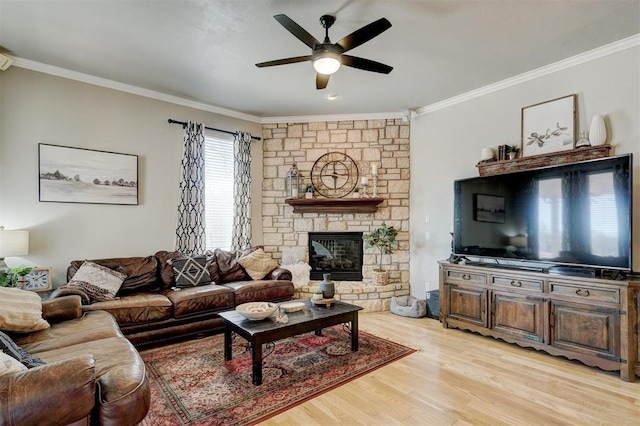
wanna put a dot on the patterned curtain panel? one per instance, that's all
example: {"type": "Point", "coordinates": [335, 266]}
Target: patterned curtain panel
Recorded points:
{"type": "Point", "coordinates": [190, 230]}
{"type": "Point", "coordinates": [242, 192]}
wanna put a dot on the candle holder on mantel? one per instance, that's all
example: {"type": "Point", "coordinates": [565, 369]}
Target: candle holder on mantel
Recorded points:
{"type": "Point", "coordinates": [375, 186]}
{"type": "Point", "coordinates": [364, 189]}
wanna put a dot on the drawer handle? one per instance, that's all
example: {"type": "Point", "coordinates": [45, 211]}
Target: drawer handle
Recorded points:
{"type": "Point", "coordinates": [466, 277]}
{"type": "Point", "coordinates": [516, 283]}
{"type": "Point", "coordinates": [581, 292]}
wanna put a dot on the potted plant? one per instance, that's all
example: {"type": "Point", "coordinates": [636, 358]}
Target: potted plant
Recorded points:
{"type": "Point", "coordinates": [512, 152]}
{"type": "Point", "coordinates": [384, 239]}
{"type": "Point", "coordinates": [356, 192]}
{"type": "Point", "coordinates": [308, 191]}
{"type": "Point", "coordinates": [14, 276]}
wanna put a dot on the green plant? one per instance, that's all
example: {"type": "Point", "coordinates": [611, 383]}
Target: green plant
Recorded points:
{"type": "Point", "coordinates": [356, 189]}
{"type": "Point", "coordinates": [10, 279]}
{"type": "Point", "coordinates": [384, 239]}
{"type": "Point", "coordinates": [513, 148]}
{"type": "Point", "coordinates": [308, 188]}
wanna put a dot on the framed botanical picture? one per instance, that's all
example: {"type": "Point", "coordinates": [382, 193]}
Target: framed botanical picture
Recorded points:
{"type": "Point", "coordinates": [77, 175]}
{"type": "Point", "coordinates": [549, 126]}
{"type": "Point", "coordinates": [39, 279]}
{"type": "Point", "coordinates": [488, 208]}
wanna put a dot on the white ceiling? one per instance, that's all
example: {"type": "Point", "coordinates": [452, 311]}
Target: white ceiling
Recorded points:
{"type": "Point", "coordinates": [205, 50]}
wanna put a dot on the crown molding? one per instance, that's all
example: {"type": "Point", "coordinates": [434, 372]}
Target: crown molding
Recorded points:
{"type": "Point", "coordinates": [579, 59]}
{"type": "Point", "coordinates": [333, 117]}
{"type": "Point", "coordinates": [128, 88]}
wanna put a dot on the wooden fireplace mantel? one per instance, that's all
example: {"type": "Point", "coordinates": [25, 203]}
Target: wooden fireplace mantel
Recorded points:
{"type": "Point", "coordinates": [334, 205]}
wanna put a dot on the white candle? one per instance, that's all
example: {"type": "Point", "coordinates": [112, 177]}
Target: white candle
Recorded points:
{"type": "Point", "coordinates": [364, 181]}
{"type": "Point", "coordinates": [374, 169]}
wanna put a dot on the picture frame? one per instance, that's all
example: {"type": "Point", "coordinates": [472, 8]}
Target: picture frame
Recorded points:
{"type": "Point", "coordinates": [488, 208]}
{"type": "Point", "coordinates": [39, 279]}
{"type": "Point", "coordinates": [79, 175]}
{"type": "Point", "coordinates": [548, 126]}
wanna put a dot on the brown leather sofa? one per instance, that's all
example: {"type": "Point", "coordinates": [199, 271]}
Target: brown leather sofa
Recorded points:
{"type": "Point", "coordinates": [149, 310]}
{"type": "Point", "coordinates": [92, 375]}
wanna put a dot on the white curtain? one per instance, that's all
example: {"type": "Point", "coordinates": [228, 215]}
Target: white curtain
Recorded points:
{"type": "Point", "coordinates": [241, 238]}
{"type": "Point", "coordinates": [190, 229]}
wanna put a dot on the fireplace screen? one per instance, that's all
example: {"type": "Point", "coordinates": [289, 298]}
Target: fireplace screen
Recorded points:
{"type": "Point", "coordinates": [337, 253]}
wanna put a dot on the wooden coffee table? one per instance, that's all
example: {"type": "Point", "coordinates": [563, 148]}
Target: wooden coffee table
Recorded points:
{"type": "Point", "coordinates": [311, 318]}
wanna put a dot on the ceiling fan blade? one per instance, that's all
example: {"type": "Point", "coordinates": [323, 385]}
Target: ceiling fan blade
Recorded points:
{"type": "Point", "coordinates": [322, 80]}
{"type": "Point", "coordinates": [365, 64]}
{"type": "Point", "coordinates": [284, 61]}
{"type": "Point", "coordinates": [364, 34]}
{"type": "Point", "coordinates": [295, 29]}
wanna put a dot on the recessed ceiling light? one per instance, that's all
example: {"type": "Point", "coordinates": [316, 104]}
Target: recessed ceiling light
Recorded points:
{"type": "Point", "coordinates": [331, 96]}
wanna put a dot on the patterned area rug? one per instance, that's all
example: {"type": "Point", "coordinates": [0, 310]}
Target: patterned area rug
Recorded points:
{"type": "Point", "coordinates": [191, 384]}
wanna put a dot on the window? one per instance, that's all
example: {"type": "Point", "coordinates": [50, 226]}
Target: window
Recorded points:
{"type": "Point", "coordinates": [219, 161]}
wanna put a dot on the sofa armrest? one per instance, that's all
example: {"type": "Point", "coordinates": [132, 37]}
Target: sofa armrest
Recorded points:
{"type": "Point", "coordinates": [280, 274]}
{"type": "Point", "coordinates": [65, 291]}
{"type": "Point", "coordinates": [62, 308]}
{"type": "Point", "coordinates": [61, 392]}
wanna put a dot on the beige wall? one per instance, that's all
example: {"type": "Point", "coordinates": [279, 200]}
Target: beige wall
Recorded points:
{"type": "Point", "coordinates": [446, 145]}
{"type": "Point", "coordinates": [38, 108]}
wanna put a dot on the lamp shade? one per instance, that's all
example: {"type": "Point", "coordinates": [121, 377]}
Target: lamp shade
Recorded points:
{"type": "Point", "coordinates": [326, 62]}
{"type": "Point", "coordinates": [14, 243]}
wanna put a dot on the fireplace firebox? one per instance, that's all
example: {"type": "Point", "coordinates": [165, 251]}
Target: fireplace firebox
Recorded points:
{"type": "Point", "coordinates": [337, 253]}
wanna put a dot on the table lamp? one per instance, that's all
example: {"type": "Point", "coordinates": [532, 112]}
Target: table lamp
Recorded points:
{"type": "Point", "coordinates": [12, 243]}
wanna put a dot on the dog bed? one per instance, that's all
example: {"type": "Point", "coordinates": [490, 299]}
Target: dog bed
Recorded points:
{"type": "Point", "coordinates": [408, 306]}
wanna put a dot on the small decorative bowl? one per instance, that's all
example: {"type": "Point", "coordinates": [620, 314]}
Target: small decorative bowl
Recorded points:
{"type": "Point", "coordinates": [256, 310]}
{"type": "Point", "coordinates": [292, 306]}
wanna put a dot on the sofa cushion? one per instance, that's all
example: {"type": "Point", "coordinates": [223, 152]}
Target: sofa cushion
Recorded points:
{"type": "Point", "coordinates": [229, 268]}
{"type": "Point", "coordinates": [141, 272]}
{"type": "Point", "coordinates": [20, 311]}
{"type": "Point", "coordinates": [10, 348]}
{"type": "Point", "coordinates": [193, 300]}
{"type": "Point", "coordinates": [136, 308]}
{"type": "Point", "coordinates": [261, 290]}
{"type": "Point", "coordinates": [99, 282]}
{"type": "Point", "coordinates": [10, 365]}
{"type": "Point", "coordinates": [91, 326]}
{"type": "Point", "coordinates": [258, 264]}
{"type": "Point", "coordinates": [191, 271]}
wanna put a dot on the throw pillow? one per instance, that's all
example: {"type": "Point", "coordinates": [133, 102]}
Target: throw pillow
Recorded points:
{"type": "Point", "coordinates": [99, 282]}
{"type": "Point", "coordinates": [9, 365]}
{"type": "Point", "coordinates": [258, 264]}
{"type": "Point", "coordinates": [191, 271]}
{"type": "Point", "coordinates": [229, 268]}
{"type": "Point", "coordinates": [9, 347]}
{"type": "Point", "coordinates": [20, 310]}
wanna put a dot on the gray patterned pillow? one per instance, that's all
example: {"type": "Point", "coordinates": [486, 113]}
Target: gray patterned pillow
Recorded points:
{"type": "Point", "coordinates": [9, 347]}
{"type": "Point", "coordinates": [191, 271]}
{"type": "Point", "coordinates": [99, 282]}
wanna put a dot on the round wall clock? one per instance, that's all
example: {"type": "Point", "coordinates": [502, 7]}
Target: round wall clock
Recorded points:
{"type": "Point", "coordinates": [334, 175]}
{"type": "Point", "coordinates": [39, 279]}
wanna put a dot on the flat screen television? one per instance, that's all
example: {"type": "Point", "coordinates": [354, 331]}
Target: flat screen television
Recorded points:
{"type": "Point", "coordinates": [576, 214]}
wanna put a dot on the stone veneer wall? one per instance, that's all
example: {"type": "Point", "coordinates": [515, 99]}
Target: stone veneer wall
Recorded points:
{"type": "Point", "coordinates": [384, 142]}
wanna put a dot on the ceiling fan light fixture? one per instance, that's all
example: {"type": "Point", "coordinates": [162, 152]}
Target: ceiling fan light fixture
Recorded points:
{"type": "Point", "coordinates": [326, 62]}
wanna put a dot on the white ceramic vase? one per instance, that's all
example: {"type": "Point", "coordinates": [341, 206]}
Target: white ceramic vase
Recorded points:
{"type": "Point", "coordinates": [597, 131]}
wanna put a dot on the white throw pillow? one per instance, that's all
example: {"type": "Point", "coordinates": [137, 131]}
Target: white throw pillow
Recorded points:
{"type": "Point", "coordinates": [10, 365]}
{"type": "Point", "coordinates": [99, 282]}
{"type": "Point", "coordinates": [258, 264]}
{"type": "Point", "coordinates": [20, 310]}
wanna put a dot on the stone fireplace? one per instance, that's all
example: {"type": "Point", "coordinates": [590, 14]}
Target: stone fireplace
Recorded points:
{"type": "Point", "coordinates": [336, 253]}
{"type": "Point", "coordinates": [384, 143]}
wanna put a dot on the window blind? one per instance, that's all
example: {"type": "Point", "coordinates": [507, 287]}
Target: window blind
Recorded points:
{"type": "Point", "coordinates": [219, 162]}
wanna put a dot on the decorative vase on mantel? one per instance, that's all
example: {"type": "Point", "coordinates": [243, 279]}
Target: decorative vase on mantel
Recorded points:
{"type": "Point", "coordinates": [327, 287]}
{"type": "Point", "coordinates": [597, 131]}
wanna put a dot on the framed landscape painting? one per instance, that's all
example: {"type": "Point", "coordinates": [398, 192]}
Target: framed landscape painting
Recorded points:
{"type": "Point", "coordinates": [77, 175]}
{"type": "Point", "coordinates": [549, 126]}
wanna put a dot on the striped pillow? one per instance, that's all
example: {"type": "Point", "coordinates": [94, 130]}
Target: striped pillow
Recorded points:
{"type": "Point", "coordinates": [20, 311]}
{"type": "Point", "coordinates": [98, 282]}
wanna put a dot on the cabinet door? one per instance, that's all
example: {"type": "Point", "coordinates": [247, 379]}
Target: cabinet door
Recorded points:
{"type": "Point", "coordinates": [586, 329]}
{"type": "Point", "coordinates": [468, 304]}
{"type": "Point", "coordinates": [519, 315]}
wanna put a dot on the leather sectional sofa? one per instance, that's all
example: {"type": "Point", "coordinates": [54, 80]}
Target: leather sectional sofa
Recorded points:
{"type": "Point", "coordinates": [149, 308]}
{"type": "Point", "coordinates": [92, 375]}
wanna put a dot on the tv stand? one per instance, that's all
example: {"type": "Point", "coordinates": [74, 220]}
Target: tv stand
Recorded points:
{"type": "Point", "coordinates": [592, 320]}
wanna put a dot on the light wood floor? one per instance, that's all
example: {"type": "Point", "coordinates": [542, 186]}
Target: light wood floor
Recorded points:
{"type": "Point", "coordinates": [461, 378]}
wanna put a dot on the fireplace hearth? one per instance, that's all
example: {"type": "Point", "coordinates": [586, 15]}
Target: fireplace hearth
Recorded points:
{"type": "Point", "coordinates": [337, 253]}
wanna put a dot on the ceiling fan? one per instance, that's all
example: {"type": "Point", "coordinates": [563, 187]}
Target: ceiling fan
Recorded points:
{"type": "Point", "coordinates": [326, 56]}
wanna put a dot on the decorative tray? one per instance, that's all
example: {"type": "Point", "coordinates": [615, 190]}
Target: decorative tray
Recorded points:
{"type": "Point", "coordinates": [327, 302]}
